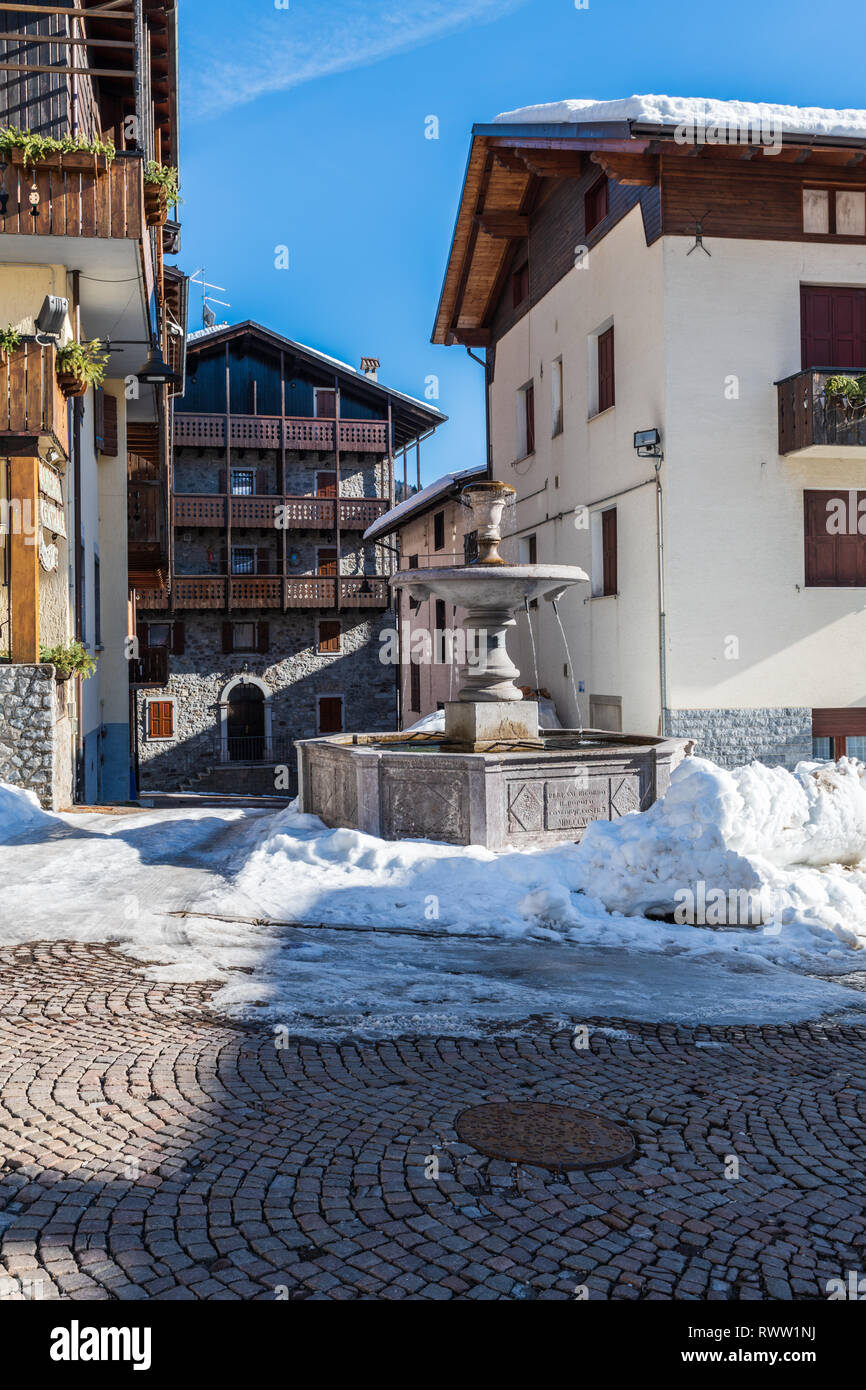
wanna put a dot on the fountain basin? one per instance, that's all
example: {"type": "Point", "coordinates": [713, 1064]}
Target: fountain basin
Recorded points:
{"type": "Point", "coordinates": [410, 786]}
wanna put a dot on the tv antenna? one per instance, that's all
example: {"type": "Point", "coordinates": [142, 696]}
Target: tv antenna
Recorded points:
{"type": "Point", "coordinates": [699, 234]}
{"type": "Point", "coordinates": [208, 317]}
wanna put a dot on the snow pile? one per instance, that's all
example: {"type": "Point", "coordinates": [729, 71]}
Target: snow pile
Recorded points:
{"type": "Point", "coordinates": [704, 111]}
{"type": "Point", "coordinates": [20, 811]}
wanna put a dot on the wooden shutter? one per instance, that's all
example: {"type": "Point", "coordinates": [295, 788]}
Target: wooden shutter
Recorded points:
{"type": "Point", "coordinates": [414, 686]}
{"type": "Point", "coordinates": [329, 635]}
{"type": "Point", "coordinates": [330, 714]}
{"type": "Point", "coordinates": [262, 482]}
{"type": "Point", "coordinates": [606, 391]}
{"type": "Point", "coordinates": [831, 560]}
{"type": "Point", "coordinates": [529, 408]}
{"type": "Point", "coordinates": [263, 636]}
{"type": "Point", "coordinates": [160, 719]}
{"type": "Point", "coordinates": [608, 550]}
{"type": "Point", "coordinates": [833, 327]}
{"type": "Point", "coordinates": [109, 425]}
{"type": "Point", "coordinates": [222, 479]}
{"type": "Point", "coordinates": [439, 531]}
{"type": "Point", "coordinates": [326, 561]}
{"type": "Point", "coordinates": [228, 637]}
{"type": "Point", "coordinates": [143, 634]}
{"type": "Point", "coordinates": [326, 405]}
{"type": "Point", "coordinates": [595, 205]}
{"type": "Point", "coordinates": [326, 483]}
{"type": "Point", "coordinates": [98, 418]}
{"type": "Point", "coordinates": [177, 639]}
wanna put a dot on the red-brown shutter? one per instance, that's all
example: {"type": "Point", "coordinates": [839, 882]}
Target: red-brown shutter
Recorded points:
{"type": "Point", "coordinates": [109, 425]}
{"type": "Point", "coordinates": [263, 636]}
{"type": "Point", "coordinates": [228, 637]}
{"type": "Point", "coordinates": [160, 719]}
{"type": "Point", "coordinates": [221, 480]}
{"type": "Point", "coordinates": [330, 714]}
{"type": "Point", "coordinates": [177, 639]}
{"type": "Point", "coordinates": [606, 390]}
{"type": "Point", "coordinates": [831, 560]}
{"type": "Point", "coordinates": [262, 483]}
{"type": "Point", "coordinates": [326, 562]}
{"type": "Point", "coordinates": [326, 405]}
{"type": "Point", "coordinates": [833, 327]}
{"type": "Point", "coordinates": [329, 635]}
{"type": "Point", "coordinates": [326, 483]}
{"type": "Point", "coordinates": [608, 550]}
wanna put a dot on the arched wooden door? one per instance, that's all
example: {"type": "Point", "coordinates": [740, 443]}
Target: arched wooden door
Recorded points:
{"type": "Point", "coordinates": [246, 724]}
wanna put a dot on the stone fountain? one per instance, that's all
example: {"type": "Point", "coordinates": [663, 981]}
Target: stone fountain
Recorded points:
{"type": "Point", "coordinates": [493, 777]}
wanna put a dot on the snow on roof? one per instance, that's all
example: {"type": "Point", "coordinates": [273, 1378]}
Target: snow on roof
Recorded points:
{"type": "Point", "coordinates": [674, 111]}
{"type": "Point", "coordinates": [418, 502]}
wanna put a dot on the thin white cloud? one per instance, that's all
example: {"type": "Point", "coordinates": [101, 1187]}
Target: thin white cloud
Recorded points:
{"type": "Point", "coordinates": [314, 39]}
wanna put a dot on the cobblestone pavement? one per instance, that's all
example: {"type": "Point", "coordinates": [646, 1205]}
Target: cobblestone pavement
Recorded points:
{"type": "Point", "coordinates": [149, 1150]}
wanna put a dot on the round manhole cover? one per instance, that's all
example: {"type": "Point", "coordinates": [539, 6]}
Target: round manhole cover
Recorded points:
{"type": "Point", "coordinates": [548, 1136]}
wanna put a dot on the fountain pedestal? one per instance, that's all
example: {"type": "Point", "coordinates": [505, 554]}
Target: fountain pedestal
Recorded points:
{"type": "Point", "coordinates": [476, 726]}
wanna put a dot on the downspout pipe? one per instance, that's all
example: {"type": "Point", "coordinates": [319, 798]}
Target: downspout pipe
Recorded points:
{"type": "Point", "coordinates": [485, 363]}
{"type": "Point", "coordinates": [663, 639]}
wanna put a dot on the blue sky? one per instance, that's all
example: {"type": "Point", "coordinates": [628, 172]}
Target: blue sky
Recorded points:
{"type": "Point", "coordinates": [304, 127]}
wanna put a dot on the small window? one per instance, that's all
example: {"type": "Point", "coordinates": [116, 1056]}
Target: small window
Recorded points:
{"type": "Point", "coordinates": [330, 632]}
{"type": "Point", "coordinates": [412, 562]}
{"type": "Point", "coordinates": [415, 686]}
{"type": "Point", "coordinates": [520, 285]}
{"type": "Point", "coordinates": [158, 634]}
{"type": "Point", "coordinates": [160, 719]}
{"type": "Point", "coordinates": [839, 733]}
{"type": "Point", "coordinates": [244, 637]}
{"type": "Point", "coordinates": [834, 211]}
{"type": "Point", "coordinates": [326, 560]}
{"type": "Point", "coordinates": [556, 398]}
{"type": "Point", "coordinates": [526, 420]}
{"type": "Point", "coordinates": [470, 547]}
{"type": "Point", "coordinates": [243, 559]}
{"type": "Point", "coordinates": [606, 381]}
{"type": "Point", "coordinates": [608, 550]}
{"type": "Point", "coordinates": [330, 714]}
{"type": "Point", "coordinates": [243, 482]}
{"type": "Point", "coordinates": [527, 549]}
{"type": "Point", "coordinates": [595, 205]}
{"type": "Point", "coordinates": [326, 404]}
{"type": "Point", "coordinates": [439, 531]}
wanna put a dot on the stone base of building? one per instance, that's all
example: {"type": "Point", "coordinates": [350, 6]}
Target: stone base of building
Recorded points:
{"type": "Point", "coordinates": [780, 736]}
{"type": "Point", "coordinates": [35, 734]}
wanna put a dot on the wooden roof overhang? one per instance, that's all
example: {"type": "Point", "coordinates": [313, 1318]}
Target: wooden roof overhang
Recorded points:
{"type": "Point", "coordinates": [411, 419]}
{"type": "Point", "coordinates": [511, 170]}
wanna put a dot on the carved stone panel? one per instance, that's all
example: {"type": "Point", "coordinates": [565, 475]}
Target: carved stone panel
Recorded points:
{"type": "Point", "coordinates": [525, 807]}
{"type": "Point", "coordinates": [572, 802]}
{"type": "Point", "coordinates": [625, 795]}
{"type": "Point", "coordinates": [421, 805]}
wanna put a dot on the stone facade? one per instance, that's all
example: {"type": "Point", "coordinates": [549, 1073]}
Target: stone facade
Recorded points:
{"type": "Point", "coordinates": [293, 674]}
{"type": "Point", "coordinates": [731, 737]}
{"type": "Point", "coordinates": [35, 734]}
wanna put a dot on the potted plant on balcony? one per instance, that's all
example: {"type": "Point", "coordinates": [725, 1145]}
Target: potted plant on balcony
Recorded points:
{"type": "Point", "coordinates": [80, 365]}
{"type": "Point", "coordinates": [848, 393]}
{"type": "Point", "coordinates": [72, 660]}
{"type": "Point", "coordinates": [25, 147]}
{"type": "Point", "coordinates": [10, 339]}
{"type": "Point", "coordinates": [160, 192]}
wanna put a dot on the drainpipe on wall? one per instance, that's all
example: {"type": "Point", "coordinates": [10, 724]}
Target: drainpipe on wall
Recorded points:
{"type": "Point", "coordinates": [77, 408]}
{"type": "Point", "coordinates": [485, 363]}
{"type": "Point", "coordinates": [663, 670]}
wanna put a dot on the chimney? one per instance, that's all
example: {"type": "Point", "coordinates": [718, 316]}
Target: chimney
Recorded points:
{"type": "Point", "coordinates": [370, 367]}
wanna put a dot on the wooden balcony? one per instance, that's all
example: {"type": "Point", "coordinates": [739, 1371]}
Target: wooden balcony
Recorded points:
{"type": "Point", "coordinates": [272, 591]}
{"type": "Point", "coordinates": [298, 514]}
{"type": "Point", "coordinates": [813, 425]}
{"type": "Point", "coordinates": [33, 413]}
{"type": "Point", "coordinates": [297, 433]}
{"type": "Point", "coordinates": [150, 669]}
{"type": "Point", "coordinates": [80, 195]}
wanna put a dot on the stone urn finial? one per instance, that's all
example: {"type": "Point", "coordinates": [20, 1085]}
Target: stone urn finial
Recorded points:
{"type": "Point", "coordinates": [486, 502]}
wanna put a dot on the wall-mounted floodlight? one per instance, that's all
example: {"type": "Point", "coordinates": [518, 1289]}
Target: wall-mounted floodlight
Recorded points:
{"type": "Point", "coordinates": [648, 444]}
{"type": "Point", "coordinates": [157, 372]}
{"type": "Point", "coordinates": [52, 316]}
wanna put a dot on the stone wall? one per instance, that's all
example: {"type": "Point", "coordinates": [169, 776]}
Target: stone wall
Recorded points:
{"type": "Point", "coordinates": [198, 471]}
{"type": "Point", "coordinates": [731, 737]}
{"type": "Point", "coordinates": [35, 734]}
{"type": "Point", "coordinates": [293, 672]}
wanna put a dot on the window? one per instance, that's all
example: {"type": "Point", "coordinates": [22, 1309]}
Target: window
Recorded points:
{"type": "Point", "coordinates": [160, 719]}
{"type": "Point", "coordinates": [605, 712]}
{"type": "Point", "coordinates": [326, 483]}
{"type": "Point", "coordinates": [526, 420]}
{"type": "Point", "coordinates": [326, 404]}
{"type": "Point", "coordinates": [439, 627]}
{"type": "Point", "coordinates": [833, 327]}
{"type": "Point", "coordinates": [413, 562]}
{"type": "Point", "coordinates": [326, 560]}
{"type": "Point", "coordinates": [330, 632]}
{"type": "Point", "coordinates": [606, 391]}
{"type": "Point", "coordinates": [243, 482]}
{"type": "Point", "coordinates": [520, 285]}
{"type": "Point", "coordinates": [330, 709]}
{"type": "Point", "coordinates": [439, 531]}
{"type": "Point", "coordinates": [243, 637]}
{"type": "Point", "coordinates": [834, 211]}
{"type": "Point", "coordinates": [595, 205]}
{"type": "Point", "coordinates": [556, 398]}
{"type": "Point", "coordinates": [839, 733]}
{"type": "Point", "coordinates": [414, 686]}
{"type": "Point", "coordinates": [604, 552]}
{"type": "Point", "coordinates": [158, 635]}
{"type": "Point", "coordinates": [246, 637]}
{"type": "Point", "coordinates": [527, 554]}
{"type": "Point", "coordinates": [835, 548]}
{"type": "Point", "coordinates": [243, 559]}
{"type": "Point", "coordinates": [470, 547]}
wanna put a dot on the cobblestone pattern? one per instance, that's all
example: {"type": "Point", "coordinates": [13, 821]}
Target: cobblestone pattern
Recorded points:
{"type": "Point", "coordinates": [731, 737]}
{"type": "Point", "coordinates": [32, 746]}
{"type": "Point", "coordinates": [152, 1151]}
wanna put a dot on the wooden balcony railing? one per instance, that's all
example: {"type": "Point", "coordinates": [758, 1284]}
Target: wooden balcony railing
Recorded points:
{"type": "Point", "coordinates": [31, 402]}
{"type": "Point", "coordinates": [810, 421]}
{"type": "Point", "coordinates": [272, 591]}
{"type": "Point", "coordinates": [271, 431]}
{"type": "Point", "coordinates": [298, 513]}
{"type": "Point", "coordinates": [150, 668]}
{"type": "Point", "coordinates": [80, 195]}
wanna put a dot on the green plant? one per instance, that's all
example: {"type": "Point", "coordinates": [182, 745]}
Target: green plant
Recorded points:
{"type": "Point", "coordinates": [86, 361]}
{"type": "Point", "coordinates": [163, 176]}
{"type": "Point", "coordinates": [847, 388]}
{"type": "Point", "coordinates": [37, 147]}
{"type": "Point", "coordinates": [71, 660]}
{"type": "Point", "coordinates": [9, 339]}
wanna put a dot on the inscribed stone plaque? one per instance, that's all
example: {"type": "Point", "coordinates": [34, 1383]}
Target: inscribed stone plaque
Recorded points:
{"type": "Point", "coordinates": [571, 803]}
{"type": "Point", "coordinates": [525, 806]}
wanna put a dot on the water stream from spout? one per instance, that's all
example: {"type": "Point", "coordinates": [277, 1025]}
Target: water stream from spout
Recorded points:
{"type": "Point", "coordinates": [532, 640]}
{"type": "Point", "coordinates": [570, 666]}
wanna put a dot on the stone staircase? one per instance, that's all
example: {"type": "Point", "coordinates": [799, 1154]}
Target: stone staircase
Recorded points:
{"type": "Point", "coordinates": [239, 779]}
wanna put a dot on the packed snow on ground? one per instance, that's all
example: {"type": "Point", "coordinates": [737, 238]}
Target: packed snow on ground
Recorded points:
{"type": "Point", "coordinates": [334, 931]}
{"type": "Point", "coordinates": [705, 111]}
{"type": "Point", "coordinates": [20, 811]}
